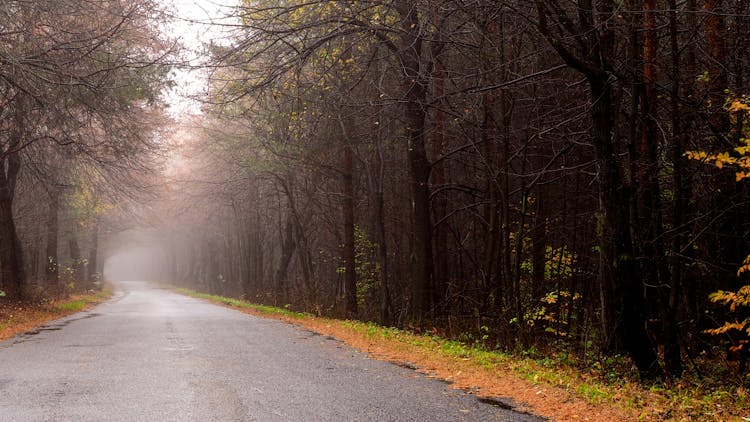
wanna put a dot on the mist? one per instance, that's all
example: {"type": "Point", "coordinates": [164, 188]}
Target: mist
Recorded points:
{"type": "Point", "coordinates": [135, 255]}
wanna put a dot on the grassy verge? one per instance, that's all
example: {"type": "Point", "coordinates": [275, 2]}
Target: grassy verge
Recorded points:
{"type": "Point", "coordinates": [241, 304]}
{"type": "Point", "coordinates": [17, 318]}
{"type": "Point", "coordinates": [546, 386]}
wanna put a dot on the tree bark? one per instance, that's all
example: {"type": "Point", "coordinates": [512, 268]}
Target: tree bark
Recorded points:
{"type": "Point", "coordinates": [377, 183]}
{"type": "Point", "coordinates": [52, 259]}
{"type": "Point", "coordinates": [622, 301]}
{"type": "Point", "coordinates": [347, 214]}
{"type": "Point", "coordinates": [11, 264]}
{"type": "Point", "coordinates": [717, 73]}
{"type": "Point", "coordinates": [655, 270]}
{"type": "Point", "coordinates": [11, 252]}
{"type": "Point", "coordinates": [415, 87]}
{"type": "Point", "coordinates": [440, 207]}
{"type": "Point", "coordinates": [77, 261]}
{"type": "Point", "coordinates": [672, 355]}
{"type": "Point", "coordinates": [288, 246]}
{"type": "Point", "coordinates": [93, 267]}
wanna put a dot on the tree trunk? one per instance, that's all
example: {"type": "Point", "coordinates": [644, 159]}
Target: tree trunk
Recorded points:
{"type": "Point", "coordinates": [93, 268]}
{"type": "Point", "coordinates": [287, 251]}
{"type": "Point", "coordinates": [377, 183]}
{"type": "Point", "coordinates": [415, 88]}
{"type": "Point", "coordinates": [11, 264]}
{"type": "Point", "coordinates": [715, 39]}
{"type": "Point", "coordinates": [440, 208]}
{"type": "Point", "coordinates": [11, 252]}
{"type": "Point", "coordinates": [347, 214]}
{"type": "Point", "coordinates": [77, 261]}
{"type": "Point", "coordinates": [348, 248]}
{"type": "Point", "coordinates": [622, 300]}
{"type": "Point", "coordinates": [655, 270]}
{"type": "Point", "coordinates": [385, 294]}
{"type": "Point", "coordinates": [539, 243]}
{"type": "Point", "coordinates": [52, 261]}
{"type": "Point", "coordinates": [623, 308]}
{"type": "Point", "coordinates": [672, 356]}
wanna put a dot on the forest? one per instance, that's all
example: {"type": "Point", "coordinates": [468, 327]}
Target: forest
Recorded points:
{"type": "Point", "coordinates": [563, 176]}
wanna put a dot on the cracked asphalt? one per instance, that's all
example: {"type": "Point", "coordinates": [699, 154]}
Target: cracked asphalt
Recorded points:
{"type": "Point", "coordinates": [153, 355]}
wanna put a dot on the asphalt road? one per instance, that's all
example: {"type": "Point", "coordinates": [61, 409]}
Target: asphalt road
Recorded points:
{"type": "Point", "coordinates": [153, 355]}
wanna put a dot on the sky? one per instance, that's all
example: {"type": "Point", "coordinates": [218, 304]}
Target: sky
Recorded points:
{"type": "Point", "coordinates": [195, 23]}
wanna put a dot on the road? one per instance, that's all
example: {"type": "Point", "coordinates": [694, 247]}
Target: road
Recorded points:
{"type": "Point", "coordinates": [153, 355]}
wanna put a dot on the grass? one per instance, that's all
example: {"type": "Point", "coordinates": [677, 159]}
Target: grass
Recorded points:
{"type": "Point", "coordinates": [241, 304]}
{"type": "Point", "coordinates": [552, 386]}
{"type": "Point", "coordinates": [72, 306]}
{"type": "Point", "coordinates": [17, 318]}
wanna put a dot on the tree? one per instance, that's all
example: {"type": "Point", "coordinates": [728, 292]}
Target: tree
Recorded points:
{"type": "Point", "coordinates": [78, 76]}
{"type": "Point", "coordinates": [520, 166]}
{"type": "Point", "coordinates": [623, 306]}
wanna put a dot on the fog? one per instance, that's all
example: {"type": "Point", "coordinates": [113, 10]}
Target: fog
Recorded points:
{"type": "Point", "coordinates": [135, 255]}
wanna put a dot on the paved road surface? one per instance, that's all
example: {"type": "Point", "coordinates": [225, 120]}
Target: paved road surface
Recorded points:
{"type": "Point", "coordinates": [152, 355]}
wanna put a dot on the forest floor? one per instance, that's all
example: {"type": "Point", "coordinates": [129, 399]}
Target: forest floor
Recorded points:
{"type": "Point", "coordinates": [20, 317]}
{"type": "Point", "coordinates": [547, 387]}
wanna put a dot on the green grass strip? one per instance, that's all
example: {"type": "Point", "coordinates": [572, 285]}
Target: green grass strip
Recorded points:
{"type": "Point", "coordinates": [72, 306]}
{"type": "Point", "coordinates": [237, 303]}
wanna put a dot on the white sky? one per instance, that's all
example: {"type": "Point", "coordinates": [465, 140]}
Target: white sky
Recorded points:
{"type": "Point", "coordinates": [196, 23]}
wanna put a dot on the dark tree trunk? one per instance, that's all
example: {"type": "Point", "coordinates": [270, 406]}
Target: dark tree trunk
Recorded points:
{"type": "Point", "coordinates": [347, 214]}
{"type": "Point", "coordinates": [440, 207]}
{"type": "Point", "coordinates": [415, 113]}
{"type": "Point", "coordinates": [377, 182]}
{"type": "Point", "coordinates": [385, 294]}
{"type": "Point", "coordinates": [718, 119]}
{"type": "Point", "coordinates": [654, 269]}
{"type": "Point", "coordinates": [77, 261]}
{"type": "Point", "coordinates": [288, 246]}
{"type": "Point", "coordinates": [211, 257]}
{"type": "Point", "coordinates": [672, 354]}
{"type": "Point", "coordinates": [539, 243]}
{"type": "Point", "coordinates": [11, 264]}
{"type": "Point", "coordinates": [52, 260]}
{"type": "Point", "coordinates": [93, 267]}
{"type": "Point", "coordinates": [348, 248]}
{"type": "Point", "coordinates": [623, 307]}
{"type": "Point", "coordinates": [254, 259]}
{"type": "Point", "coordinates": [11, 253]}
{"type": "Point", "coordinates": [622, 296]}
